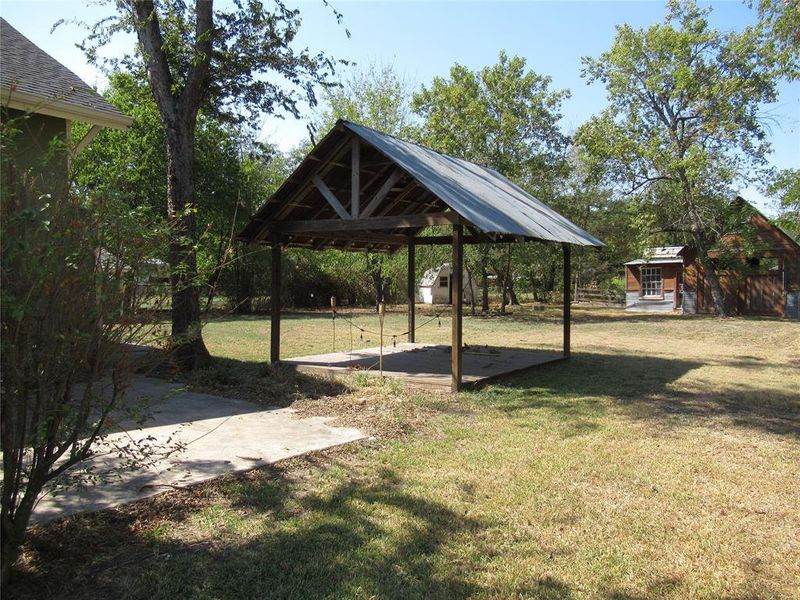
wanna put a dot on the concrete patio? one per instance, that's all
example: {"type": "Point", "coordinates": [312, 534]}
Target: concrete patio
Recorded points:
{"type": "Point", "coordinates": [198, 437]}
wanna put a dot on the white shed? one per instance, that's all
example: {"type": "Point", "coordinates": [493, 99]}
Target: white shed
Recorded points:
{"type": "Point", "coordinates": [434, 287]}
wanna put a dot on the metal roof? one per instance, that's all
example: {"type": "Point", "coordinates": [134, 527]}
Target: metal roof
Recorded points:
{"type": "Point", "coordinates": [406, 179]}
{"type": "Point", "coordinates": [655, 261]}
{"type": "Point", "coordinates": [660, 255]}
{"type": "Point", "coordinates": [32, 80]}
{"type": "Point", "coordinates": [484, 197]}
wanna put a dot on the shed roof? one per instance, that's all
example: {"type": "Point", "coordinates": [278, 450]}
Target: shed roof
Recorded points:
{"type": "Point", "coordinates": [32, 80]}
{"type": "Point", "coordinates": [425, 181]}
{"type": "Point", "coordinates": [660, 255]}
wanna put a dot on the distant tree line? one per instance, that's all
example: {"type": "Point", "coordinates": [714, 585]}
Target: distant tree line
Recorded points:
{"type": "Point", "coordinates": [658, 166]}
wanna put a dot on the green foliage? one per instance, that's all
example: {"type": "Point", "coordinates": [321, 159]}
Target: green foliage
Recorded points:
{"type": "Point", "coordinates": [502, 116]}
{"type": "Point", "coordinates": [683, 123]}
{"type": "Point", "coordinates": [780, 21]}
{"type": "Point", "coordinates": [75, 279]}
{"type": "Point", "coordinates": [375, 97]}
{"type": "Point", "coordinates": [683, 127]}
{"type": "Point", "coordinates": [248, 39]}
{"type": "Point", "coordinates": [786, 186]}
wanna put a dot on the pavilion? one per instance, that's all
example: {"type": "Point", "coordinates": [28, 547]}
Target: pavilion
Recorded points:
{"type": "Point", "coordinates": [362, 190]}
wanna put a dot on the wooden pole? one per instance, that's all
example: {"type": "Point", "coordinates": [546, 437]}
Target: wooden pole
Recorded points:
{"type": "Point", "coordinates": [381, 313]}
{"type": "Point", "coordinates": [355, 178]}
{"type": "Point", "coordinates": [412, 288]}
{"type": "Point", "coordinates": [567, 316]}
{"type": "Point", "coordinates": [333, 315]}
{"type": "Point", "coordinates": [456, 298]}
{"type": "Point", "coordinates": [275, 311]}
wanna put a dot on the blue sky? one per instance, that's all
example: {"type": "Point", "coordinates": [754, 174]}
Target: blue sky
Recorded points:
{"type": "Point", "coordinates": [423, 39]}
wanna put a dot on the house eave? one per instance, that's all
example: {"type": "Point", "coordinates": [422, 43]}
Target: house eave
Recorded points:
{"type": "Point", "coordinates": [53, 107]}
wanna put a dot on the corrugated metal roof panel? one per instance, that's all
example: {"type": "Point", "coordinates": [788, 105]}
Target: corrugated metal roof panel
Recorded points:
{"type": "Point", "coordinates": [481, 195]}
{"type": "Point", "coordinates": [655, 261]}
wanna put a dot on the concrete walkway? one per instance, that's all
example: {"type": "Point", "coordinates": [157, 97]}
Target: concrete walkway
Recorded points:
{"type": "Point", "coordinates": [195, 437]}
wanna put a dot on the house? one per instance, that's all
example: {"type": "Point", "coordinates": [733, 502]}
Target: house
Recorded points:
{"type": "Point", "coordinates": [44, 99]}
{"type": "Point", "coordinates": [759, 275]}
{"type": "Point", "coordinates": [654, 282]}
{"type": "Point", "coordinates": [434, 286]}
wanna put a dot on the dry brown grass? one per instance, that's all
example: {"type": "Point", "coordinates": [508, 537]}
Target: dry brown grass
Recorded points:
{"type": "Point", "coordinates": [661, 461]}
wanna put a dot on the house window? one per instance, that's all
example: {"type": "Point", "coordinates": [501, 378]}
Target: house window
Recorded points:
{"type": "Point", "coordinates": [443, 281]}
{"type": "Point", "coordinates": [651, 282]}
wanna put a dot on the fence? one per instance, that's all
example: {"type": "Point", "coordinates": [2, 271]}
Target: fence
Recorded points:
{"type": "Point", "coordinates": [597, 296]}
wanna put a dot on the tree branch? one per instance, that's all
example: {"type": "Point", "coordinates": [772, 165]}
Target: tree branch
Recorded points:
{"type": "Point", "coordinates": [148, 32]}
{"type": "Point", "coordinates": [191, 96]}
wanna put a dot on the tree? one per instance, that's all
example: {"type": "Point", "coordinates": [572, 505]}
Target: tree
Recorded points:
{"type": "Point", "coordinates": [683, 123]}
{"type": "Point", "coordinates": [234, 175]}
{"type": "Point", "coordinates": [70, 304]}
{"type": "Point", "coordinates": [198, 59]}
{"type": "Point", "coordinates": [505, 117]}
{"type": "Point", "coordinates": [786, 186]}
{"type": "Point", "coordinates": [780, 22]}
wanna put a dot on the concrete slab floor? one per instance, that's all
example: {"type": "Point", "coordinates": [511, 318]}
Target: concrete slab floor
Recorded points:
{"type": "Point", "coordinates": [196, 437]}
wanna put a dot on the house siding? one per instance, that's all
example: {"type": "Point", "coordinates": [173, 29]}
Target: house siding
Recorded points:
{"type": "Point", "coordinates": [39, 149]}
{"type": "Point", "coordinates": [759, 292]}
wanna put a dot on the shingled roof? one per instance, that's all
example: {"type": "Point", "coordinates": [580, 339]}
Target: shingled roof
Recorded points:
{"type": "Point", "coordinates": [419, 181]}
{"type": "Point", "coordinates": [32, 80]}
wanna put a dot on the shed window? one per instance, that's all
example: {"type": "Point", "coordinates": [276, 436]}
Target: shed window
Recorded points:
{"type": "Point", "coordinates": [651, 282]}
{"type": "Point", "coordinates": [443, 281]}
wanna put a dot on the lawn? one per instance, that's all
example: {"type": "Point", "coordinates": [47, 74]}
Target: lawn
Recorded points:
{"type": "Point", "coordinates": [662, 461]}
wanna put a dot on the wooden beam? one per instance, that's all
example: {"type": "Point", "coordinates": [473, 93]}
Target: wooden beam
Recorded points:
{"type": "Point", "coordinates": [355, 178]}
{"type": "Point", "coordinates": [442, 240]}
{"type": "Point", "coordinates": [567, 306]}
{"type": "Point", "coordinates": [364, 224]}
{"type": "Point", "coordinates": [328, 195]}
{"type": "Point", "coordinates": [275, 310]}
{"type": "Point", "coordinates": [384, 190]}
{"type": "Point", "coordinates": [457, 301]}
{"type": "Point", "coordinates": [412, 288]}
{"type": "Point", "coordinates": [86, 140]}
{"type": "Point", "coordinates": [393, 239]}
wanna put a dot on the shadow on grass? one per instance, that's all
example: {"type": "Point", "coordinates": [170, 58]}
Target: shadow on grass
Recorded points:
{"type": "Point", "coordinates": [644, 386]}
{"type": "Point", "coordinates": [356, 539]}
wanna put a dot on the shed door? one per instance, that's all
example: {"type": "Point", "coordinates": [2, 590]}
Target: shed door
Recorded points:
{"type": "Point", "coordinates": [765, 293]}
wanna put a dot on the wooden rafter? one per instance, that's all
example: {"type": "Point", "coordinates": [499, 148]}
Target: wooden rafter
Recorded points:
{"type": "Point", "coordinates": [365, 224]}
{"type": "Point", "coordinates": [330, 197]}
{"type": "Point", "coordinates": [384, 190]}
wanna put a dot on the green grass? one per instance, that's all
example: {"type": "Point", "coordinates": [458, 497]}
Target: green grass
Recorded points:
{"type": "Point", "coordinates": [662, 461]}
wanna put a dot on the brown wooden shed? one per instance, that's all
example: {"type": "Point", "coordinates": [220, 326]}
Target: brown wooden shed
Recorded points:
{"type": "Point", "coordinates": [362, 190]}
{"type": "Point", "coordinates": [765, 282]}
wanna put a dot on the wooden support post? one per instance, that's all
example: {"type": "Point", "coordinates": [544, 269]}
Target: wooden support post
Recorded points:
{"type": "Point", "coordinates": [412, 288]}
{"type": "Point", "coordinates": [456, 298]}
{"type": "Point", "coordinates": [355, 179]}
{"type": "Point", "coordinates": [567, 281]}
{"type": "Point", "coordinates": [275, 311]}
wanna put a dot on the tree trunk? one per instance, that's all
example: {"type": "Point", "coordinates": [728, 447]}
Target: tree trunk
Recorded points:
{"type": "Point", "coordinates": [12, 530]}
{"type": "Point", "coordinates": [485, 290]}
{"type": "Point", "coordinates": [709, 269]}
{"type": "Point", "coordinates": [512, 295]}
{"type": "Point", "coordinates": [189, 350]}
{"type": "Point", "coordinates": [710, 275]}
{"type": "Point", "coordinates": [505, 284]}
{"type": "Point", "coordinates": [471, 293]}
{"type": "Point", "coordinates": [503, 295]}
